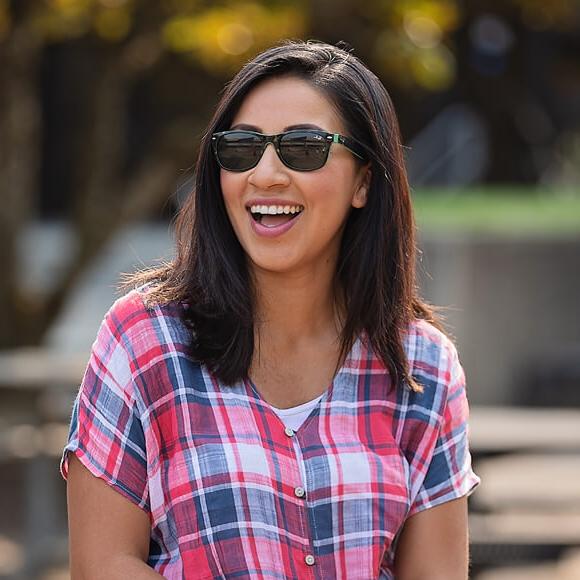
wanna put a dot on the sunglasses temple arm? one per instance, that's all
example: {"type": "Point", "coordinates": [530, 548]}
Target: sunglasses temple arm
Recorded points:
{"type": "Point", "coordinates": [337, 138]}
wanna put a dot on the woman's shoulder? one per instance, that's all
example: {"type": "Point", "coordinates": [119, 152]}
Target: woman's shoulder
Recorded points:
{"type": "Point", "coordinates": [429, 350]}
{"type": "Point", "coordinates": [135, 318]}
{"type": "Point", "coordinates": [426, 332]}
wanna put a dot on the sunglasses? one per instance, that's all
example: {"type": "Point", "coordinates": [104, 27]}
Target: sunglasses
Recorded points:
{"type": "Point", "coordinates": [301, 150]}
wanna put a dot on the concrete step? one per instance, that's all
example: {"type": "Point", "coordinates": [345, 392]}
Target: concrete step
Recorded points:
{"type": "Point", "coordinates": [567, 568]}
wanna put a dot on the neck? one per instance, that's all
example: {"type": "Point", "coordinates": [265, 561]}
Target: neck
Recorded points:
{"type": "Point", "coordinates": [297, 339]}
{"type": "Point", "coordinates": [296, 306]}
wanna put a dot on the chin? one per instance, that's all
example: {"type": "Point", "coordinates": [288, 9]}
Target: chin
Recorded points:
{"type": "Point", "coordinates": [273, 264]}
{"type": "Point", "coordinates": [273, 267]}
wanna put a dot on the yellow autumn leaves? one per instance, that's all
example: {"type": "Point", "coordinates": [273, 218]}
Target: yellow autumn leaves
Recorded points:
{"type": "Point", "coordinates": [224, 36]}
{"type": "Point", "coordinates": [412, 39]}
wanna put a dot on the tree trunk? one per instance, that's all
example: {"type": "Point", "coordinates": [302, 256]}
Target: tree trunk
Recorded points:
{"type": "Point", "coordinates": [107, 200]}
{"type": "Point", "coordinates": [20, 132]}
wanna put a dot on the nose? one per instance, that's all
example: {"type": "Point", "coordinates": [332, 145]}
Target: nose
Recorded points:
{"type": "Point", "coordinates": [270, 171]}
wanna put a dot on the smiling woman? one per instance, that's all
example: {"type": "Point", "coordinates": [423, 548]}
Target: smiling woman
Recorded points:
{"type": "Point", "coordinates": [327, 180]}
{"type": "Point", "coordinates": [278, 402]}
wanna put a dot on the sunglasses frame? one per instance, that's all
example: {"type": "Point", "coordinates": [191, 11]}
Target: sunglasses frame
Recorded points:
{"type": "Point", "coordinates": [329, 138]}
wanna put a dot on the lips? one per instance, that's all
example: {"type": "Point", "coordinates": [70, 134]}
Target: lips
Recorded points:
{"type": "Point", "coordinates": [271, 226]}
{"type": "Point", "coordinates": [273, 217]}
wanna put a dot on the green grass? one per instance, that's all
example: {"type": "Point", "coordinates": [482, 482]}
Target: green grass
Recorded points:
{"type": "Point", "coordinates": [511, 211]}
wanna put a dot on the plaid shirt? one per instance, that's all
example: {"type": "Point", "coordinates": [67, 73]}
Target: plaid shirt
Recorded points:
{"type": "Point", "coordinates": [233, 493]}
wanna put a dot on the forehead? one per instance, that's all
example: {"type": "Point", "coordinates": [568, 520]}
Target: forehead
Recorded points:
{"type": "Point", "coordinates": [281, 102]}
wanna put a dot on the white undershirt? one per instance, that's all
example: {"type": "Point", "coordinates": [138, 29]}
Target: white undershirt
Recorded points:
{"type": "Point", "coordinates": [295, 416]}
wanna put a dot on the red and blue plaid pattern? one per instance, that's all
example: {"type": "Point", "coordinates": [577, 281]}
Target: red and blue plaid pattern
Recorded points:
{"type": "Point", "coordinates": [232, 493]}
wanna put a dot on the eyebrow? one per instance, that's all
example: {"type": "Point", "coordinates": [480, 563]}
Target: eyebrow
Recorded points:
{"type": "Point", "coordinates": [245, 127]}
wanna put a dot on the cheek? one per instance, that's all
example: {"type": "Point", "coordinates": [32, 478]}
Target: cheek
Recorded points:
{"type": "Point", "coordinates": [231, 190]}
{"type": "Point", "coordinates": [334, 195]}
{"type": "Point", "coordinates": [226, 183]}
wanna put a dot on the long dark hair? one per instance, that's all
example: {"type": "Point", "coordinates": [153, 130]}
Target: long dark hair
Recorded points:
{"type": "Point", "coordinates": [376, 265]}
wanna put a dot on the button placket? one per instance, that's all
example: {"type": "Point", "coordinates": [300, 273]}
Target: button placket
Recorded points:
{"type": "Point", "coordinates": [300, 492]}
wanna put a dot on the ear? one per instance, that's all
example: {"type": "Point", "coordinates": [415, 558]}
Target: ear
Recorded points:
{"type": "Point", "coordinates": [359, 199]}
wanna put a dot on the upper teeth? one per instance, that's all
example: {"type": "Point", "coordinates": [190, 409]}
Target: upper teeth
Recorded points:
{"type": "Point", "coordinates": [275, 209]}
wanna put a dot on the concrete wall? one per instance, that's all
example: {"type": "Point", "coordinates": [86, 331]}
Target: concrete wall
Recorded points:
{"type": "Point", "coordinates": [514, 307]}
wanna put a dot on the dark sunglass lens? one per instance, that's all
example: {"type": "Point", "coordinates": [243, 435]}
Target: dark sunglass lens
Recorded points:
{"type": "Point", "coordinates": [239, 151]}
{"type": "Point", "coordinates": [303, 151]}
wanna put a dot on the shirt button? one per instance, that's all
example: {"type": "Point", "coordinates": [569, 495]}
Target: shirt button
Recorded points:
{"type": "Point", "coordinates": [309, 560]}
{"type": "Point", "coordinates": [289, 432]}
{"type": "Point", "coordinates": [299, 491]}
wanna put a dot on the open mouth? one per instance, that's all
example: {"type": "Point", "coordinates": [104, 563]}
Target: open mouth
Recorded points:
{"type": "Point", "coordinates": [271, 216]}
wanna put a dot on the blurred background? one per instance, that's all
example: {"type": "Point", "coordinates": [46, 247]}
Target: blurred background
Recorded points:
{"type": "Point", "coordinates": [102, 105]}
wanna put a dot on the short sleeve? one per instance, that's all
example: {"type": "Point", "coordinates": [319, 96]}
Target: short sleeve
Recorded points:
{"type": "Point", "coordinates": [106, 433]}
{"type": "Point", "coordinates": [449, 474]}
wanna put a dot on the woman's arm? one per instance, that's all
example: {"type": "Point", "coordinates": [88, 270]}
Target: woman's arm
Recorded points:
{"type": "Point", "coordinates": [109, 535]}
{"type": "Point", "coordinates": [434, 544]}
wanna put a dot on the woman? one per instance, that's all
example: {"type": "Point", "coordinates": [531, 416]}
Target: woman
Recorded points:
{"type": "Point", "coordinates": [277, 402]}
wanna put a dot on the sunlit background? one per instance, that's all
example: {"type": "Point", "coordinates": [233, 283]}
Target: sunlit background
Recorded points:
{"type": "Point", "coordinates": [102, 105]}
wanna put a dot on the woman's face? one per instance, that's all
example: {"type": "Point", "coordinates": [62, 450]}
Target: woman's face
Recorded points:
{"type": "Point", "coordinates": [324, 197]}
